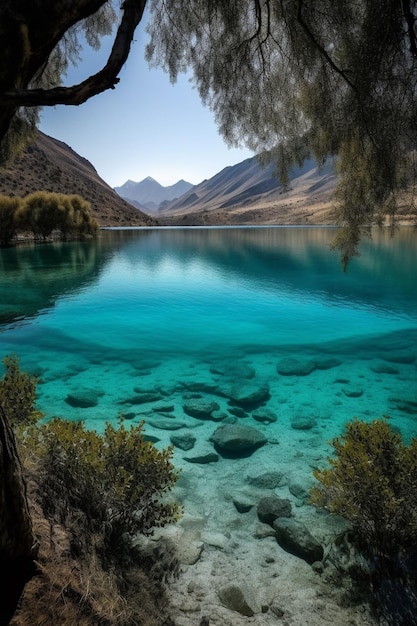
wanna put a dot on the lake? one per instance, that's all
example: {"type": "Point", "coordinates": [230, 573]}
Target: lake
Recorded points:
{"type": "Point", "coordinates": [142, 321]}
{"type": "Point", "coordinates": [193, 329]}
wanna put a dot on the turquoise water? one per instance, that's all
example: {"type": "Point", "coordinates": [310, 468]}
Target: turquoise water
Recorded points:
{"type": "Point", "coordinates": [187, 311]}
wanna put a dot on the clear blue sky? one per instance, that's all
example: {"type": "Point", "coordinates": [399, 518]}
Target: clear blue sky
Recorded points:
{"type": "Point", "coordinates": [144, 127]}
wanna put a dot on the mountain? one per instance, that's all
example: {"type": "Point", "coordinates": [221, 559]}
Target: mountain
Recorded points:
{"type": "Point", "coordinates": [50, 165]}
{"type": "Point", "coordinates": [149, 194]}
{"type": "Point", "coordinates": [251, 193]}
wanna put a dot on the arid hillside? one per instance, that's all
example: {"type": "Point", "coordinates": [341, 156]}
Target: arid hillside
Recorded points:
{"type": "Point", "coordinates": [51, 165]}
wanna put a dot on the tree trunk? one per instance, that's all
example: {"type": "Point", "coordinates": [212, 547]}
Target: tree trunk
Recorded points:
{"type": "Point", "coordinates": [18, 544]}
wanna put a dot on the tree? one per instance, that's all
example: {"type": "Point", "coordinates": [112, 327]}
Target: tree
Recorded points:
{"type": "Point", "coordinates": [39, 38]}
{"type": "Point", "coordinates": [8, 209]}
{"type": "Point", "coordinates": [299, 77]}
{"type": "Point", "coordinates": [288, 79]}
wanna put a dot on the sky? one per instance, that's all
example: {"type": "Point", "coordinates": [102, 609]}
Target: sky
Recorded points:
{"type": "Point", "coordinates": [144, 127]}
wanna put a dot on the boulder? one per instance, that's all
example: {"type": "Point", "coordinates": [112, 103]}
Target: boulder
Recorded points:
{"type": "Point", "coordinates": [201, 408]}
{"type": "Point", "coordinates": [233, 598]}
{"type": "Point", "coordinates": [264, 416]}
{"type": "Point", "coordinates": [272, 507]}
{"type": "Point", "coordinates": [294, 537]}
{"type": "Point", "coordinates": [249, 395]}
{"type": "Point", "coordinates": [294, 367]}
{"type": "Point", "coordinates": [184, 441]}
{"type": "Point", "coordinates": [352, 392]}
{"type": "Point", "coordinates": [264, 479]}
{"type": "Point", "coordinates": [237, 441]}
{"type": "Point", "coordinates": [84, 398]}
{"type": "Point", "coordinates": [202, 454]}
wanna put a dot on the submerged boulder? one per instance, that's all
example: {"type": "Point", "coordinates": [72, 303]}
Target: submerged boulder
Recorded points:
{"type": "Point", "coordinates": [289, 366]}
{"type": "Point", "coordinates": [272, 507]}
{"type": "Point", "coordinates": [294, 537]}
{"type": "Point", "coordinates": [236, 441]}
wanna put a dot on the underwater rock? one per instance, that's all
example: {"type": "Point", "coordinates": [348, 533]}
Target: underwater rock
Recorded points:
{"type": "Point", "coordinates": [299, 490]}
{"type": "Point", "coordinates": [405, 358]}
{"type": "Point", "coordinates": [264, 416]}
{"type": "Point", "coordinates": [404, 405]}
{"type": "Point", "coordinates": [272, 507]}
{"type": "Point", "coordinates": [184, 441]}
{"type": "Point", "coordinates": [249, 395]}
{"type": "Point", "coordinates": [200, 408]}
{"type": "Point", "coordinates": [84, 398]}
{"type": "Point", "coordinates": [233, 598]}
{"type": "Point", "coordinates": [294, 537]}
{"type": "Point", "coordinates": [264, 479]}
{"type": "Point", "coordinates": [353, 392]}
{"type": "Point", "coordinates": [237, 411]}
{"type": "Point", "coordinates": [164, 408]}
{"type": "Point", "coordinates": [202, 455]}
{"type": "Point", "coordinates": [383, 368]}
{"type": "Point", "coordinates": [165, 424]}
{"type": "Point", "coordinates": [242, 503]}
{"type": "Point", "coordinates": [237, 441]}
{"type": "Point", "coordinates": [294, 367]}
{"type": "Point", "coordinates": [303, 422]}
{"type": "Point", "coordinates": [143, 397]}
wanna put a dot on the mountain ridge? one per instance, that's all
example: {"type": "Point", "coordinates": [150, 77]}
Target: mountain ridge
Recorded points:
{"type": "Point", "coordinates": [48, 164]}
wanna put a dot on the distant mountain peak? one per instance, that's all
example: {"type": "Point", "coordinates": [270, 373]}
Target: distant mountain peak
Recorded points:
{"type": "Point", "coordinates": [151, 194]}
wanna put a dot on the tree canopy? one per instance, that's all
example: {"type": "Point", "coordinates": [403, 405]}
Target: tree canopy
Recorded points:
{"type": "Point", "coordinates": [286, 78]}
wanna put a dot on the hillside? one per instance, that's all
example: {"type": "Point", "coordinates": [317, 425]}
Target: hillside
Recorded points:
{"type": "Point", "coordinates": [249, 193]}
{"type": "Point", "coordinates": [51, 165]}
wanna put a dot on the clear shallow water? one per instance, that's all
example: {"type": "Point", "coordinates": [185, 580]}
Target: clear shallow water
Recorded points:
{"type": "Point", "coordinates": [178, 311]}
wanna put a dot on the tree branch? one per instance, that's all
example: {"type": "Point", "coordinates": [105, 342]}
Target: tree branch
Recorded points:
{"type": "Point", "coordinates": [105, 79]}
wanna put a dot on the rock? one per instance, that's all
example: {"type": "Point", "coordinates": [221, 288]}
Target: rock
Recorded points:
{"type": "Point", "coordinates": [237, 411]}
{"type": "Point", "coordinates": [299, 490]}
{"type": "Point", "coordinates": [237, 441]}
{"type": "Point", "coordinates": [293, 367]}
{"type": "Point", "coordinates": [303, 422]}
{"type": "Point", "coordinates": [249, 395]}
{"type": "Point", "coordinates": [200, 408]}
{"type": "Point", "coordinates": [84, 398]}
{"type": "Point", "coordinates": [405, 405]}
{"type": "Point", "coordinates": [165, 424]}
{"type": "Point", "coordinates": [404, 358]}
{"type": "Point", "coordinates": [272, 507]}
{"type": "Point", "coordinates": [265, 416]}
{"type": "Point", "coordinates": [184, 441]}
{"type": "Point", "coordinates": [233, 598]}
{"type": "Point", "coordinates": [384, 368]}
{"type": "Point", "coordinates": [142, 398]}
{"type": "Point", "coordinates": [264, 479]}
{"type": "Point", "coordinates": [163, 408]}
{"type": "Point", "coordinates": [352, 392]}
{"type": "Point", "coordinates": [242, 503]}
{"type": "Point", "coordinates": [203, 455]}
{"type": "Point", "coordinates": [294, 537]}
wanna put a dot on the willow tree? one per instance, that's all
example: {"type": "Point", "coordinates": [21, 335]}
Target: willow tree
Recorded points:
{"type": "Point", "coordinates": [39, 39]}
{"type": "Point", "coordinates": [291, 78]}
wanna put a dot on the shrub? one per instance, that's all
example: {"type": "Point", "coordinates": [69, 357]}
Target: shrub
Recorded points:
{"type": "Point", "coordinates": [18, 394]}
{"type": "Point", "coordinates": [372, 482]}
{"type": "Point", "coordinates": [109, 486]}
